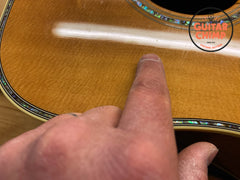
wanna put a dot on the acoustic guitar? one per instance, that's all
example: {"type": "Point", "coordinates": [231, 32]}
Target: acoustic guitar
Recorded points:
{"type": "Point", "coordinates": [73, 55]}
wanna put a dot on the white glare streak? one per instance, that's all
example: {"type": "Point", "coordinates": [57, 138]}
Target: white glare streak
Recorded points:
{"type": "Point", "coordinates": [159, 39]}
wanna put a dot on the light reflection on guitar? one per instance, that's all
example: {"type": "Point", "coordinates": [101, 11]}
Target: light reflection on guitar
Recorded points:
{"type": "Point", "coordinates": [76, 55]}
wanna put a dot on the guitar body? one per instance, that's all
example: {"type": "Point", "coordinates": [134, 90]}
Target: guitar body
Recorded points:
{"type": "Point", "coordinates": [73, 55]}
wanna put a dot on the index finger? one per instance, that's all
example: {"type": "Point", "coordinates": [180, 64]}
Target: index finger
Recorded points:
{"type": "Point", "coordinates": [148, 108]}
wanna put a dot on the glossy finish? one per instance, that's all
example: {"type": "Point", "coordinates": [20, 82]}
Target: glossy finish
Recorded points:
{"type": "Point", "coordinates": [12, 121]}
{"type": "Point", "coordinates": [78, 54]}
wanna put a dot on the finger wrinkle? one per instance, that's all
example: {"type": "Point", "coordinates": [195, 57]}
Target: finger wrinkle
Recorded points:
{"type": "Point", "coordinates": [149, 87]}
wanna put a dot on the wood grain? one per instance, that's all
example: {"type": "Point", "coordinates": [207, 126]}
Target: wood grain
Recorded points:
{"type": "Point", "coordinates": [13, 122]}
{"type": "Point", "coordinates": [63, 75]}
{"type": "Point", "coordinates": [2, 5]}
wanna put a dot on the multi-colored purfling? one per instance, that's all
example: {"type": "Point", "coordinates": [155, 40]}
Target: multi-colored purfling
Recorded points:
{"type": "Point", "coordinates": [162, 17]}
{"type": "Point", "coordinates": [24, 105]}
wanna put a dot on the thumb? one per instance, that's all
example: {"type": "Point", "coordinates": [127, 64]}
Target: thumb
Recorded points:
{"type": "Point", "coordinates": [194, 160]}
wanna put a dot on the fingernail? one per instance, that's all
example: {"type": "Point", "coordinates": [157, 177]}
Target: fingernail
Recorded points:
{"type": "Point", "coordinates": [150, 57]}
{"type": "Point", "coordinates": [212, 154]}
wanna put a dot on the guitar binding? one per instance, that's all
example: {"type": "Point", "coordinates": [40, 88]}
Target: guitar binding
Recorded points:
{"type": "Point", "coordinates": [43, 115]}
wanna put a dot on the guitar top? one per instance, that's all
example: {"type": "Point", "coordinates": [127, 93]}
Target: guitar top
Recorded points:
{"type": "Point", "coordinates": [73, 55]}
{"type": "Point", "coordinates": [76, 55]}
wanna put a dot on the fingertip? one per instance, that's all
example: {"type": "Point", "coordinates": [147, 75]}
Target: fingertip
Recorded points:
{"type": "Point", "coordinates": [150, 57]}
{"type": "Point", "coordinates": [151, 62]}
{"type": "Point", "coordinates": [212, 151]}
{"type": "Point", "coordinates": [202, 150]}
{"type": "Point", "coordinates": [194, 160]}
{"type": "Point", "coordinates": [207, 150]}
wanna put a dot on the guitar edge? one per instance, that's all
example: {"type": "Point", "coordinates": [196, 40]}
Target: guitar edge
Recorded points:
{"type": "Point", "coordinates": [190, 105]}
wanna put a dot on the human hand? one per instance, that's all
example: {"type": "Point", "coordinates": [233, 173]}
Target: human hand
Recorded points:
{"type": "Point", "coordinates": [107, 144]}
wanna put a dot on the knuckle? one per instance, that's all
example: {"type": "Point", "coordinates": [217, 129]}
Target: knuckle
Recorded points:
{"type": "Point", "coordinates": [54, 147]}
{"type": "Point", "coordinates": [153, 86]}
{"type": "Point", "coordinates": [152, 89]}
{"type": "Point", "coordinates": [48, 152]}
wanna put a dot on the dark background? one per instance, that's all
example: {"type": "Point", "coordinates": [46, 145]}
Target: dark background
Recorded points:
{"type": "Point", "coordinates": [191, 6]}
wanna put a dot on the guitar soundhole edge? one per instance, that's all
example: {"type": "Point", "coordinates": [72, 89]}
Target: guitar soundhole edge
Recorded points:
{"type": "Point", "coordinates": [179, 20]}
{"type": "Point", "coordinates": [191, 7]}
